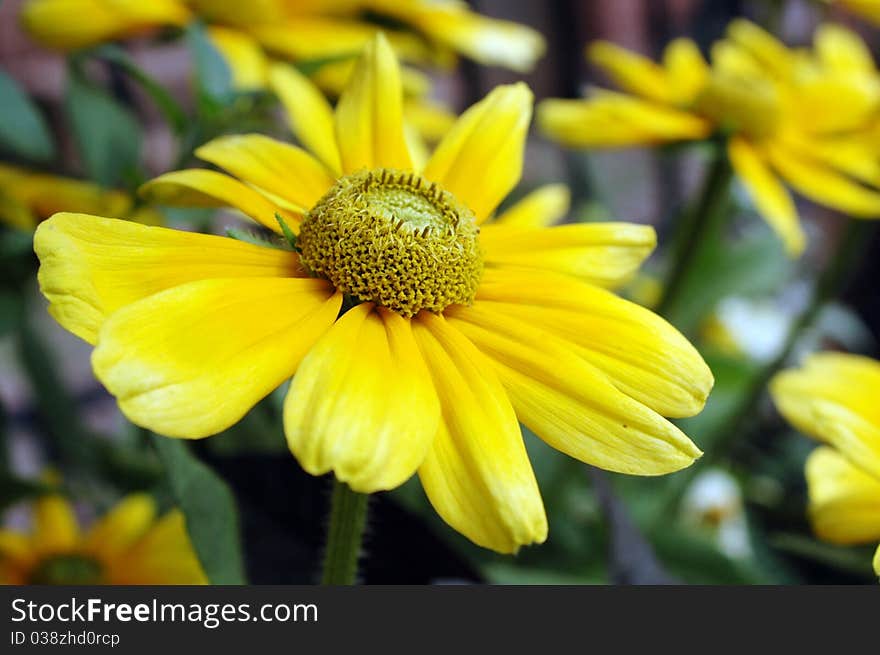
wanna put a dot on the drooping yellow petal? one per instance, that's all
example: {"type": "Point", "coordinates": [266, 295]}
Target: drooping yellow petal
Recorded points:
{"type": "Point", "coordinates": [362, 404]}
{"type": "Point", "coordinates": [542, 207]}
{"type": "Point", "coordinates": [852, 154]}
{"type": "Point", "coordinates": [844, 500]}
{"type": "Point", "coordinates": [92, 266]}
{"type": "Point", "coordinates": [369, 115]}
{"type": "Point", "coordinates": [824, 185]}
{"type": "Point", "coordinates": [121, 527]}
{"type": "Point", "coordinates": [640, 353]}
{"type": "Point", "coordinates": [164, 555]}
{"type": "Point", "coordinates": [833, 397]}
{"type": "Point", "coordinates": [574, 407]}
{"type": "Point", "coordinates": [770, 196]}
{"type": "Point", "coordinates": [72, 24]}
{"type": "Point", "coordinates": [607, 254]}
{"type": "Point", "coordinates": [686, 70]}
{"type": "Point", "coordinates": [842, 49]}
{"type": "Point", "coordinates": [191, 361]}
{"type": "Point", "coordinates": [480, 160]}
{"type": "Point", "coordinates": [309, 114]}
{"type": "Point", "coordinates": [632, 72]}
{"type": "Point", "coordinates": [477, 474]}
{"type": "Point", "coordinates": [198, 187]}
{"type": "Point", "coordinates": [56, 529]}
{"type": "Point", "coordinates": [247, 62]}
{"type": "Point", "coordinates": [280, 168]}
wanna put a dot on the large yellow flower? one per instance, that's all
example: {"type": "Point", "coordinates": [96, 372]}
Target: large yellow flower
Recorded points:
{"type": "Point", "coordinates": [834, 399]}
{"type": "Point", "coordinates": [127, 546]}
{"type": "Point", "coordinates": [27, 197]}
{"type": "Point", "coordinates": [793, 116]}
{"type": "Point", "coordinates": [419, 329]}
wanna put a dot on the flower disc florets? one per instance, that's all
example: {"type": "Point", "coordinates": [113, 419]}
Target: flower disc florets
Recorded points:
{"type": "Point", "coordinates": [393, 238]}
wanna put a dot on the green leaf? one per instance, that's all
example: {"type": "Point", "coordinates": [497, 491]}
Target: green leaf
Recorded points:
{"type": "Point", "coordinates": [210, 510]}
{"type": "Point", "coordinates": [288, 233]}
{"type": "Point", "coordinates": [213, 76]}
{"type": "Point", "coordinates": [107, 135]}
{"type": "Point", "coordinates": [173, 112]}
{"type": "Point", "coordinates": [22, 130]}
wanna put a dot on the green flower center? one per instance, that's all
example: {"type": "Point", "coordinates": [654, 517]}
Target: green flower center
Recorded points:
{"type": "Point", "coordinates": [67, 570]}
{"type": "Point", "coordinates": [393, 238]}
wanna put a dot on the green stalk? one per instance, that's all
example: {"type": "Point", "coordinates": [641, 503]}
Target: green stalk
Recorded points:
{"type": "Point", "coordinates": [345, 532]}
{"type": "Point", "coordinates": [704, 218]}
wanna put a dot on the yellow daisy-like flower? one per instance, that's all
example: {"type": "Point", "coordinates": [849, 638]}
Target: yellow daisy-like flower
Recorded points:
{"type": "Point", "coordinates": [127, 546]}
{"type": "Point", "coordinates": [28, 197]}
{"type": "Point", "coordinates": [790, 116]}
{"type": "Point", "coordinates": [419, 330]}
{"type": "Point", "coordinates": [834, 399]}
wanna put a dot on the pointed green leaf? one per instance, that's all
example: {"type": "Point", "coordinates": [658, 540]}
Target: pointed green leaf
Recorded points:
{"type": "Point", "coordinates": [23, 131]}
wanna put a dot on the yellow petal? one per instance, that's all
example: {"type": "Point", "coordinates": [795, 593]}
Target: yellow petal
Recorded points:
{"type": "Point", "coordinates": [56, 529]}
{"type": "Point", "coordinates": [269, 165]}
{"type": "Point", "coordinates": [853, 155]}
{"type": "Point", "coordinates": [842, 49]}
{"type": "Point", "coordinates": [369, 115]}
{"type": "Point", "coordinates": [246, 60]}
{"type": "Point", "coordinates": [432, 120]}
{"type": "Point", "coordinates": [833, 397]}
{"type": "Point", "coordinates": [121, 527]}
{"type": "Point", "coordinates": [640, 353]}
{"type": "Point", "coordinates": [191, 361]}
{"type": "Point", "coordinates": [480, 160]}
{"type": "Point", "coordinates": [770, 196]}
{"type": "Point", "coordinates": [631, 71]}
{"type": "Point", "coordinates": [477, 474]}
{"type": "Point", "coordinates": [824, 185]}
{"type": "Point", "coordinates": [574, 407]}
{"type": "Point", "coordinates": [92, 266]}
{"type": "Point", "coordinates": [607, 254]}
{"type": "Point", "coordinates": [198, 187]}
{"type": "Point", "coordinates": [362, 404]}
{"type": "Point", "coordinates": [544, 206]}
{"type": "Point", "coordinates": [308, 113]}
{"type": "Point", "coordinates": [762, 45]}
{"type": "Point", "coordinates": [72, 24]}
{"type": "Point", "coordinates": [686, 70]}
{"type": "Point", "coordinates": [163, 556]}
{"type": "Point", "coordinates": [844, 500]}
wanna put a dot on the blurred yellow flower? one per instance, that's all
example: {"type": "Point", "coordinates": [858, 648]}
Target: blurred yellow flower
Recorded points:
{"type": "Point", "coordinates": [418, 328]}
{"type": "Point", "coordinates": [28, 197]}
{"type": "Point", "coordinates": [834, 399]}
{"type": "Point", "coordinates": [127, 546]}
{"type": "Point", "coordinates": [794, 116]}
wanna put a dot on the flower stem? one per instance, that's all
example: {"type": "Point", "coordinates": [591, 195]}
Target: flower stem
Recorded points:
{"type": "Point", "coordinates": [345, 532]}
{"type": "Point", "coordinates": [703, 218]}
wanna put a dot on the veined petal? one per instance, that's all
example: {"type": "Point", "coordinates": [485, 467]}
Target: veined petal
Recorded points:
{"type": "Point", "coordinates": [606, 254]}
{"type": "Point", "coordinates": [631, 71]}
{"type": "Point", "coordinates": [824, 185]}
{"type": "Point", "coordinates": [573, 408]}
{"type": "Point", "coordinates": [362, 404]}
{"type": "Point", "coordinates": [246, 60]}
{"type": "Point", "coordinates": [844, 500]}
{"type": "Point", "coordinates": [833, 397]}
{"type": "Point", "coordinates": [542, 207]}
{"type": "Point", "coordinates": [480, 159]}
{"type": "Point", "coordinates": [477, 474]}
{"type": "Point", "coordinates": [308, 113]}
{"type": "Point", "coordinates": [121, 527]}
{"type": "Point", "coordinates": [770, 196]}
{"type": "Point", "coordinates": [640, 353]}
{"type": "Point", "coordinates": [56, 529]}
{"type": "Point", "coordinates": [197, 187]}
{"type": "Point", "coordinates": [92, 266]}
{"type": "Point", "coordinates": [191, 361]}
{"type": "Point", "coordinates": [369, 115]}
{"type": "Point", "coordinates": [280, 168]}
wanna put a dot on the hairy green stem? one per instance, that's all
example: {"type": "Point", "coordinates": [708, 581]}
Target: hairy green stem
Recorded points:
{"type": "Point", "coordinates": [345, 532]}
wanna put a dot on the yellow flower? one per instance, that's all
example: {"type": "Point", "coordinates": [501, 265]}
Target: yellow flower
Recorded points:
{"type": "Point", "coordinates": [789, 116]}
{"type": "Point", "coordinates": [834, 399]}
{"type": "Point", "coordinates": [127, 546]}
{"type": "Point", "coordinates": [28, 197]}
{"type": "Point", "coordinates": [419, 329]}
